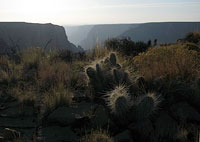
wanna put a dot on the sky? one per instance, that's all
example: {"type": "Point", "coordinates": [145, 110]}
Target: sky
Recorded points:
{"type": "Point", "coordinates": [80, 12]}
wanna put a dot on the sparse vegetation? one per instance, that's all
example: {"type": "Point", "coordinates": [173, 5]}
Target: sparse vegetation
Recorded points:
{"type": "Point", "coordinates": [168, 61]}
{"type": "Point", "coordinates": [137, 93]}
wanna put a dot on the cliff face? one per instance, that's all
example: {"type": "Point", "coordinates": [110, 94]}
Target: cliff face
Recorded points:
{"type": "Point", "coordinates": [100, 33]}
{"type": "Point", "coordinates": [25, 35]}
{"type": "Point", "coordinates": [77, 33]}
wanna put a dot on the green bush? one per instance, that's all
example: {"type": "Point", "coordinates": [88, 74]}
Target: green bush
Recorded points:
{"type": "Point", "coordinates": [126, 46]}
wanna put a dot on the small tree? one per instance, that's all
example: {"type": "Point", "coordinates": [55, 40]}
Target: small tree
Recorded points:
{"type": "Point", "coordinates": [155, 42]}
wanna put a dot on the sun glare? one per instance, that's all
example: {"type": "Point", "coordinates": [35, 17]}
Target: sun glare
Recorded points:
{"type": "Point", "coordinates": [42, 10]}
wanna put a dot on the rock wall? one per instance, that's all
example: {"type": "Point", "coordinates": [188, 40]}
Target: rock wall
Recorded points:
{"type": "Point", "coordinates": [24, 35]}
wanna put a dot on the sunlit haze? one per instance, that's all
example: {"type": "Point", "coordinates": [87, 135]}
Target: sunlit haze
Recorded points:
{"type": "Point", "coordinates": [76, 12]}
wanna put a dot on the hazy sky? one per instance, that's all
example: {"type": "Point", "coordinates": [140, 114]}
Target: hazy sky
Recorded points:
{"type": "Point", "coordinates": [99, 11]}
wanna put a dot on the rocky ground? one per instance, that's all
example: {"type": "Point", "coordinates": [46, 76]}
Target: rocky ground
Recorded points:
{"type": "Point", "coordinates": [64, 124]}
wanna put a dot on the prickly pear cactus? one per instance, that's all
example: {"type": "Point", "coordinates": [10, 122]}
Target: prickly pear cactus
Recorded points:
{"type": "Point", "coordinates": [113, 59]}
{"type": "Point", "coordinates": [146, 105]}
{"type": "Point", "coordinates": [91, 73]}
{"type": "Point", "coordinates": [121, 106]}
{"type": "Point", "coordinates": [106, 75]}
{"type": "Point", "coordinates": [96, 79]}
{"type": "Point", "coordinates": [118, 100]}
{"type": "Point", "coordinates": [121, 77]}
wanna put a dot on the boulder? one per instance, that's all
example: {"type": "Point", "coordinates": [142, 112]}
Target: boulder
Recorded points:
{"type": "Point", "coordinates": [68, 115]}
{"type": "Point", "coordinates": [17, 111]}
{"type": "Point", "coordinates": [59, 134]}
{"type": "Point", "coordinates": [62, 115]}
{"type": "Point", "coordinates": [20, 122]}
{"type": "Point", "coordinates": [125, 136]}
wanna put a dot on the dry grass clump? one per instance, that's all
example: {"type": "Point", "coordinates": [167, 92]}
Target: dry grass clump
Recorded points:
{"type": "Point", "coordinates": [56, 97]}
{"type": "Point", "coordinates": [98, 136]}
{"type": "Point", "coordinates": [32, 55]}
{"type": "Point", "coordinates": [3, 62]}
{"type": "Point", "coordinates": [25, 95]}
{"type": "Point", "coordinates": [168, 61]}
{"type": "Point", "coordinates": [9, 70]}
{"type": "Point", "coordinates": [50, 74]}
{"type": "Point", "coordinates": [98, 53]}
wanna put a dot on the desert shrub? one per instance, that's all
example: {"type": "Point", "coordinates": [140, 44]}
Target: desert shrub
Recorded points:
{"type": "Point", "coordinates": [193, 37]}
{"type": "Point", "coordinates": [62, 55]}
{"type": "Point", "coordinates": [97, 136]}
{"type": "Point", "coordinates": [126, 46]}
{"type": "Point", "coordinates": [169, 61]}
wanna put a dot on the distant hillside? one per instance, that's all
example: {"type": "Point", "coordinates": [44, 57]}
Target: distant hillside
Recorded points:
{"type": "Point", "coordinates": [77, 33]}
{"type": "Point", "coordinates": [165, 32]}
{"type": "Point", "coordinates": [23, 35]}
{"type": "Point", "coordinates": [99, 33]}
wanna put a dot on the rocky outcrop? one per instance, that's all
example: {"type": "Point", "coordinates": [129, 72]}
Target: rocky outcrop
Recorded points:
{"type": "Point", "coordinates": [19, 35]}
